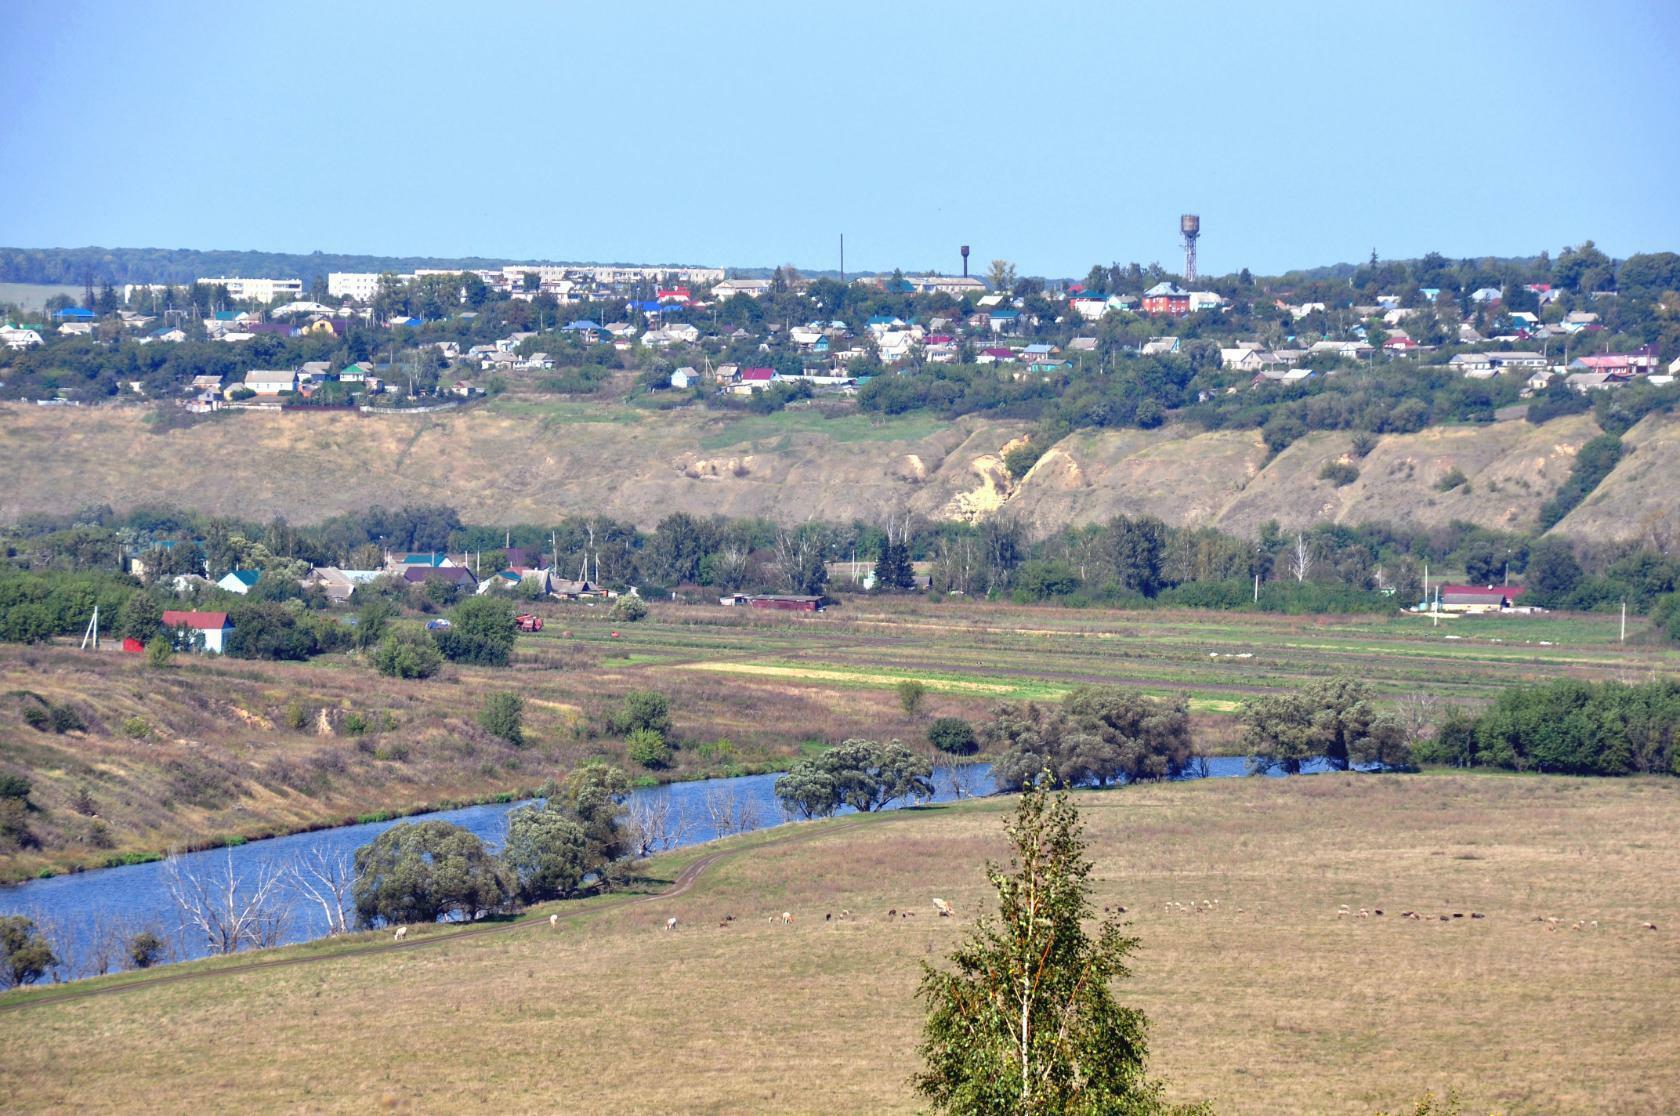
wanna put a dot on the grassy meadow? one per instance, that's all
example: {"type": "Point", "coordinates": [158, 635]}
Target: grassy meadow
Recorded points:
{"type": "Point", "coordinates": [1264, 998]}
{"type": "Point", "coordinates": [210, 749]}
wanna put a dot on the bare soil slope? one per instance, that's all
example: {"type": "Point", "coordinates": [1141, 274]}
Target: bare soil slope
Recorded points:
{"type": "Point", "coordinates": [537, 460]}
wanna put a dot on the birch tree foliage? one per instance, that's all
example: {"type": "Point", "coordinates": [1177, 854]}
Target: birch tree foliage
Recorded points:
{"type": "Point", "coordinates": [1026, 1021]}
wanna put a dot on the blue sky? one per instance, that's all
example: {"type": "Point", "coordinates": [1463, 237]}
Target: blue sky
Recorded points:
{"type": "Point", "coordinates": [751, 134]}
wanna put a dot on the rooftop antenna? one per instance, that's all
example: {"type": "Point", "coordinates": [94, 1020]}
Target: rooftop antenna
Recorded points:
{"type": "Point", "coordinates": [1191, 226]}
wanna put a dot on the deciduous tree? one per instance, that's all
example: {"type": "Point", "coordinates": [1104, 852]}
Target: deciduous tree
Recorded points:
{"type": "Point", "coordinates": [1026, 1022]}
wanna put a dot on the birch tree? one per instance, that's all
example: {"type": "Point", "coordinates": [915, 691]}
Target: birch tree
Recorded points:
{"type": "Point", "coordinates": [1026, 1023]}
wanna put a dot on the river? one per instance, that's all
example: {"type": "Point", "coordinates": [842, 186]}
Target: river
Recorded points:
{"type": "Point", "coordinates": [88, 915]}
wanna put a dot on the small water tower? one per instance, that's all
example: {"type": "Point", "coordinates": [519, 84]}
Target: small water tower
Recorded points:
{"type": "Point", "coordinates": [965, 260]}
{"type": "Point", "coordinates": [1191, 226]}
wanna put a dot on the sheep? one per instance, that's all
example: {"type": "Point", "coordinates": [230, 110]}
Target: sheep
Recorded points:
{"type": "Point", "coordinates": [942, 907]}
{"type": "Point", "coordinates": [553, 921]}
{"type": "Point", "coordinates": [1648, 925]}
{"type": "Point", "coordinates": [893, 913]}
{"type": "Point", "coordinates": [786, 918]}
{"type": "Point", "coordinates": [402, 932]}
{"type": "Point", "coordinates": [671, 923]}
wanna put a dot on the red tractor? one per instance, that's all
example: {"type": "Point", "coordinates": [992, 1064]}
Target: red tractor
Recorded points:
{"type": "Point", "coordinates": [526, 622]}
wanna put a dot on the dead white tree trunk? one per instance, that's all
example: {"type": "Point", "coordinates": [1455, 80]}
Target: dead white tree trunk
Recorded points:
{"type": "Point", "coordinates": [325, 879]}
{"type": "Point", "coordinates": [223, 909]}
{"type": "Point", "coordinates": [657, 826]}
{"type": "Point", "coordinates": [730, 811]}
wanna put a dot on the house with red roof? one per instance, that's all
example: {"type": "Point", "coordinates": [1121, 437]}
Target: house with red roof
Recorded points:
{"type": "Point", "coordinates": [213, 626]}
{"type": "Point", "coordinates": [1479, 598]}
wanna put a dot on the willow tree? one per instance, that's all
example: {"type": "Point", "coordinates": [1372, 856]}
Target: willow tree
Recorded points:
{"type": "Point", "coordinates": [1027, 1022]}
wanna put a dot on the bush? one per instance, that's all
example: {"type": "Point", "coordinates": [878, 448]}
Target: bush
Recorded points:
{"type": "Point", "coordinates": [25, 956]}
{"type": "Point", "coordinates": [38, 717]}
{"type": "Point", "coordinates": [649, 748]}
{"type": "Point", "coordinates": [65, 719]}
{"type": "Point", "coordinates": [355, 724]}
{"type": "Point", "coordinates": [1363, 443]}
{"type": "Point", "coordinates": [408, 653]}
{"type": "Point", "coordinates": [954, 736]}
{"type": "Point", "coordinates": [82, 801]}
{"type": "Point", "coordinates": [1020, 460]}
{"type": "Point", "coordinates": [911, 694]}
{"type": "Point", "coordinates": [628, 610]}
{"type": "Point", "coordinates": [296, 716]}
{"type": "Point", "coordinates": [159, 650]}
{"type": "Point", "coordinates": [15, 786]}
{"type": "Point", "coordinates": [642, 709]}
{"type": "Point", "coordinates": [145, 949]}
{"type": "Point", "coordinates": [481, 632]}
{"type": "Point", "coordinates": [1338, 473]}
{"type": "Point", "coordinates": [503, 715]}
{"type": "Point", "coordinates": [1453, 478]}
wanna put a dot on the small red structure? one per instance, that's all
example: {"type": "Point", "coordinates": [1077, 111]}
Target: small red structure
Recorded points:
{"type": "Point", "coordinates": [526, 622]}
{"type": "Point", "coordinates": [132, 646]}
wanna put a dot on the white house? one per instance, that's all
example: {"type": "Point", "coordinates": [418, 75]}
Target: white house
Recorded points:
{"type": "Point", "coordinates": [684, 378]}
{"type": "Point", "coordinates": [239, 581]}
{"type": "Point", "coordinates": [271, 381]}
{"type": "Point", "coordinates": [213, 626]}
{"type": "Point", "coordinates": [15, 337]}
{"type": "Point", "coordinates": [752, 288]}
{"type": "Point", "coordinates": [1241, 360]}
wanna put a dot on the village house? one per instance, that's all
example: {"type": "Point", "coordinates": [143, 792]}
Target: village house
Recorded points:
{"type": "Point", "coordinates": [684, 378]}
{"type": "Point", "coordinates": [1478, 598]}
{"type": "Point", "coordinates": [212, 626]}
{"type": "Point", "coordinates": [458, 576]}
{"type": "Point", "coordinates": [1241, 360]}
{"type": "Point", "coordinates": [1166, 298]}
{"type": "Point", "coordinates": [271, 382]}
{"type": "Point", "coordinates": [239, 581]}
{"type": "Point", "coordinates": [340, 585]}
{"type": "Point", "coordinates": [752, 288]}
{"type": "Point", "coordinates": [1159, 346]}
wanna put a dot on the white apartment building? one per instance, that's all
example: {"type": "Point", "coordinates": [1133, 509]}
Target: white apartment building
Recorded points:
{"type": "Point", "coordinates": [359, 285]}
{"type": "Point", "coordinates": [258, 290]}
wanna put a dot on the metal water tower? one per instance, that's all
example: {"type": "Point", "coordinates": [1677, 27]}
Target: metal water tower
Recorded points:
{"type": "Point", "coordinates": [1191, 226]}
{"type": "Point", "coordinates": [965, 260]}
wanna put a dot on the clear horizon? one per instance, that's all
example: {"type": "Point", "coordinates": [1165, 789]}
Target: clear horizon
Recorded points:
{"type": "Point", "coordinates": [756, 135]}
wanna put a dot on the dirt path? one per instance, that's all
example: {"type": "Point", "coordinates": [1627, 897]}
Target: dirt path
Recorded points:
{"type": "Point", "coordinates": [684, 882]}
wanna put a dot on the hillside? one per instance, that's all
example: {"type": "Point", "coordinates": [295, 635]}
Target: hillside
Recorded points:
{"type": "Point", "coordinates": [1546, 994]}
{"type": "Point", "coordinates": [535, 460]}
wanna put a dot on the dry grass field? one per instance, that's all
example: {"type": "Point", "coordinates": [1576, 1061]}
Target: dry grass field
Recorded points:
{"type": "Point", "coordinates": [206, 749]}
{"type": "Point", "coordinates": [1262, 998]}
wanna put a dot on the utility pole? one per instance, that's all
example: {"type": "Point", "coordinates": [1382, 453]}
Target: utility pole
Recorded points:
{"type": "Point", "coordinates": [1624, 621]}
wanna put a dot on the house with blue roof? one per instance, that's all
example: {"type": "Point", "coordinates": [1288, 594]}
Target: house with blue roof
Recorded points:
{"type": "Point", "coordinates": [239, 581]}
{"type": "Point", "coordinates": [74, 313]}
{"type": "Point", "coordinates": [1004, 320]}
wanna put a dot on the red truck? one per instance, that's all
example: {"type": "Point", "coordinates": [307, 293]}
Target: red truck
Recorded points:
{"type": "Point", "coordinates": [526, 622]}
